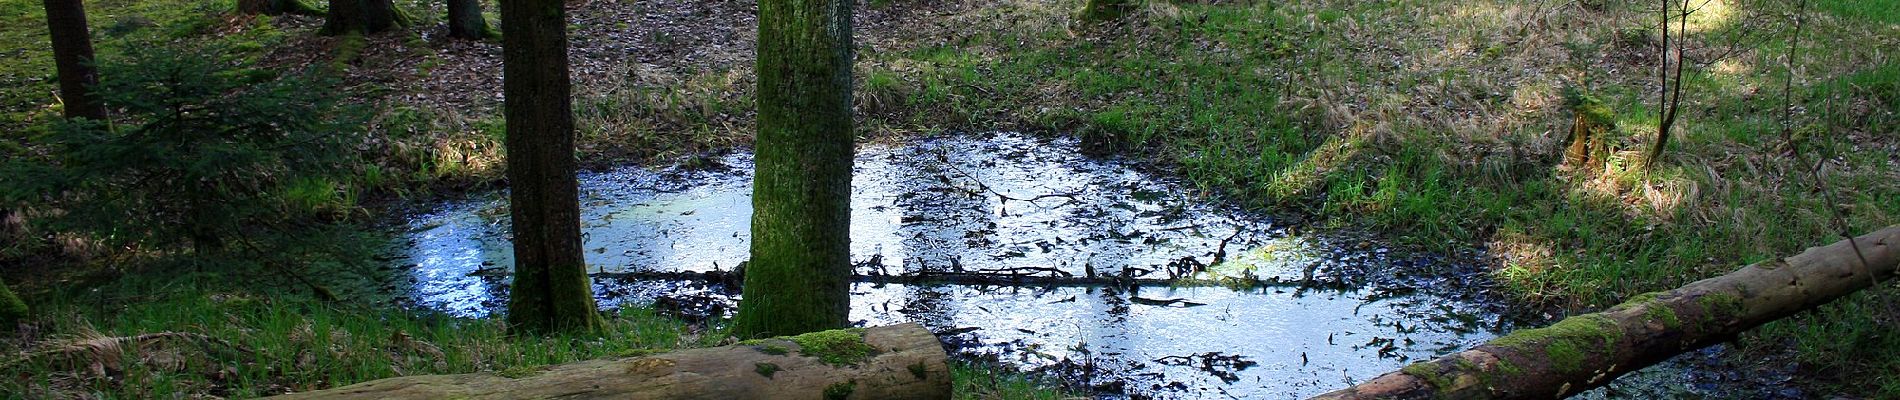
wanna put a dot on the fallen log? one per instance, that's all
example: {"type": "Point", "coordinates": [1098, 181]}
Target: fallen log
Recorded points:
{"type": "Point", "coordinates": [890, 362]}
{"type": "Point", "coordinates": [1590, 350]}
{"type": "Point", "coordinates": [732, 279]}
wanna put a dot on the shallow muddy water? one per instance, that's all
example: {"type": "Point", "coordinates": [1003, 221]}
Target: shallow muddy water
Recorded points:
{"type": "Point", "coordinates": [1298, 315]}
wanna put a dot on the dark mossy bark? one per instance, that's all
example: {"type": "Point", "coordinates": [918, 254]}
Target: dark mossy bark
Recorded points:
{"type": "Point", "coordinates": [276, 7]}
{"type": "Point", "coordinates": [799, 277]}
{"type": "Point", "coordinates": [363, 16]}
{"type": "Point", "coordinates": [72, 58]}
{"type": "Point", "coordinates": [11, 308]}
{"type": "Point", "coordinates": [551, 291]}
{"type": "Point", "coordinates": [466, 22]}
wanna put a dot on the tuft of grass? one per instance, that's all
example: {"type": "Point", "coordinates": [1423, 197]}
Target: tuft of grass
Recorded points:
{"type": "Point", "coordinates": [973, 381]}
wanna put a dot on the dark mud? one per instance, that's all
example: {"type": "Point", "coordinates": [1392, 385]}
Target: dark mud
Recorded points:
{"type": "Point", "coordinates": [1262, 310]}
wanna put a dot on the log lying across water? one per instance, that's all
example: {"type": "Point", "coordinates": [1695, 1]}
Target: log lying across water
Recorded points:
{"type": "Point", "coordinates": [1587, 351]}
{"type": "Point", "coordinates": [903, 362]}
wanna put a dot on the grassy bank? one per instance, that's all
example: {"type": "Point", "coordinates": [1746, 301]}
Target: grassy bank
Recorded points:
{"type": "Point", "coordinates": [1443, 124]}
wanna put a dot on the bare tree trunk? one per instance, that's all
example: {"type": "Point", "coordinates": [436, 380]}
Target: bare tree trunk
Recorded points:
{"type": "Point", "coordinates": [551, 291]}
{"type": "Point", "coordinates": [466, 22]}
{"type": "Point", "coordinates": [1587, 351]}
{"type": "Point", "coordinates": [909, 364]}
{"type": "Point", "coordinates": [799, 277]}
{"type": "Point", "coordinates": [72, 57]}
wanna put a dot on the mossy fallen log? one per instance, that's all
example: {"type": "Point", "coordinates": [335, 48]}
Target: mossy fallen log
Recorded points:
{"type": "Point", "coordinates": [890, 362]}
{"type": "Point", "coordinates": [1587, 351]}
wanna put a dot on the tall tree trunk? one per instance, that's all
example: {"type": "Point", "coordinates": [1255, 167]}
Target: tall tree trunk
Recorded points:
{"type": "Point", "coordinates": [799, 277]}
{"type": "Point", "coordinates": [1590, 350]}
{"type": "Point", "coordinates": [551, 290]}
{"type": "Point", "coordinates": [72, 57]}
{"type": "Point", "coordinates": [466, 22]}
{"type": "Point", "coordinates": [363, 17]}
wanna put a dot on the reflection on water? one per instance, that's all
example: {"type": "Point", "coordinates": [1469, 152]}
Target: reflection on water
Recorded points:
{"type": "Point", "coordinates": [1019, 203]}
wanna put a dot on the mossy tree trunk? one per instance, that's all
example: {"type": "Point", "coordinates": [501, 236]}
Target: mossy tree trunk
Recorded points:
{"type": "Point", "coordinates": [276, 7]}
{"type": "Point", "coordinates": [466, 22]}
{"type": "Point", "coordinates": [1590, 350]}
{"type": "Point", "coordinates": [363, 17]}
{"type": "Point", "coordinates": [799, 277]}
{"type": "Point", "coordinates": [72, 58]}
{"type": "Point", "coordinates": [11, 308]}
{"type": "Point", "coordinates": [551, 291]}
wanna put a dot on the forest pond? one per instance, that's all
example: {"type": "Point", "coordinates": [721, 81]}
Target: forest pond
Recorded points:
{"type": "Point", "coordinates": [1272, 312]}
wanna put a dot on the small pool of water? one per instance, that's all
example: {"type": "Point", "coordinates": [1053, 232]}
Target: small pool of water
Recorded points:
{"type": "Point", "coordinates": [1332, 310]}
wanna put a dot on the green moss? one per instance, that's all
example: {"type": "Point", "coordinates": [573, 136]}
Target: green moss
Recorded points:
{"type": "Point", "coordinates": [1660, 312]}
{"type": "Point", "coordinates": [919, 370]}
{"type": "Point", "coordinates": [1564, 355]}
{"type": "Point", "coordinates": [1719, 307]}
{"type": "Point", "coordinates": [1428, 372]}
{"type": "Point", "coordinates": [766, 369]}
{"type": "Point", "coordinates": [835, 347]}
{"type": "Point", "coordinates": [1567, 343]}
{"type": "Point", "coordinates": [519, 372]}
{"type": "Point", "coordinates": [840, 390]}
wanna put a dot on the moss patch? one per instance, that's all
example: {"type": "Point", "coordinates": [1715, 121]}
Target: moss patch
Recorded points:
{"type": "Point", "coordinates": [836, 347]}
{"type": "Point", "coordinates": [1567, 343]}
{"type": "Point", "coordinates": [840, 390]}
{"type": "Point", "coordinates": [1428, 372]}
{"type": "Point", "coordinates": [766, 369]}
{"type": "Point", "coordinates": [519, 372]}
{"type": "Point", "coordinates": [919, 370]}
{"type": "Point", "coordinates": [1660, 312]}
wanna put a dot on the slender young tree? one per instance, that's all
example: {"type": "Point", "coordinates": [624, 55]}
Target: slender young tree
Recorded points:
{"type": "Point", "coordinates": [799, 277]}
{"type": "Point", "coordinates": [466, 22]}
{"type": "Point", "coordinates": [72, 57]}
{"type": "Point", "coordinates": [363, 17]}
{"type": "Point", "coordinates": [551, 291]}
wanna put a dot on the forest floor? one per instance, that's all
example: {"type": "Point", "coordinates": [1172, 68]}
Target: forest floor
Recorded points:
{"type": "Point", "coordinates": [1440, 123]}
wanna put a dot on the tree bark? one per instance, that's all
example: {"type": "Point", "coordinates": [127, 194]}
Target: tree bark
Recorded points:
{"type": "Point", "coordinates": [1587, 351]}
{"type": "Point", "coordinates": [363, 17]}
{"type": "Point", "coordinates": [466, 22]}
{"type": "Point", "coordinates": [72, 58]}
{"type": "Point", "coordinates": [551, 291]}
{"type": "Point", "coordinates": [799, 277]}
{"type": "Point", "coordinates": [909, 364]}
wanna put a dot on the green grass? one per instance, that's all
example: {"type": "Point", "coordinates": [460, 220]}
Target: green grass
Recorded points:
{"type": "Point", "coordinates": [1274, 106]}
